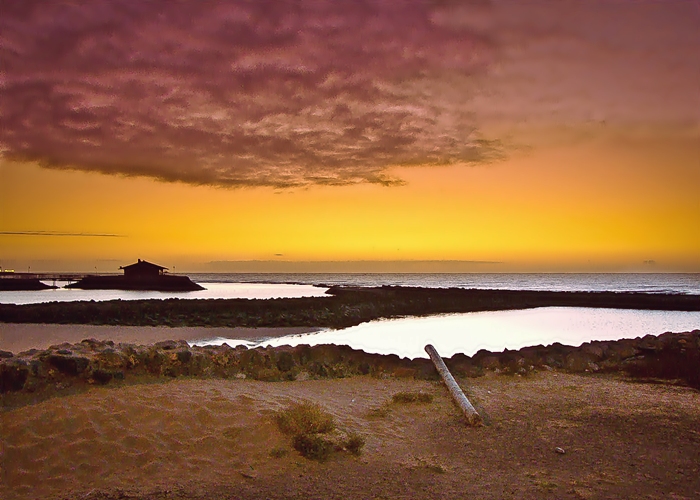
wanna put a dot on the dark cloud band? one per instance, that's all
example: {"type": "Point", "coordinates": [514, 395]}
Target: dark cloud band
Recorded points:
{"type": "Point", "coordinates": [243, 93]}
{"type": "Point", "coordinates": [56, 233]}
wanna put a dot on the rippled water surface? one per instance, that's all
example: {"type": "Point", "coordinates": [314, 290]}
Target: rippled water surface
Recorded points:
{"type": "Point", "coordinates": [687, 283]}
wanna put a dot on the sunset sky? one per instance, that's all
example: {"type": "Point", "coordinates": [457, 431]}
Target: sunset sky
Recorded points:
{"type": "Point", "coordinates": [350, 135]}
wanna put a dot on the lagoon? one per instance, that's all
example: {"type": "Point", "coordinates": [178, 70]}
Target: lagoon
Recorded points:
{"type": "Point", "coordinates": [491, 330]}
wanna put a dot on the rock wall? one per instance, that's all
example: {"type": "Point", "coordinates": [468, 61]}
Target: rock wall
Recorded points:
{"type": "Point", "coordinates": [669, 355]}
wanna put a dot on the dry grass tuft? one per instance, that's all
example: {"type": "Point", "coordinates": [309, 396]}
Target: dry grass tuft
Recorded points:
{"type": "Point", "coordinates": [305, 418]}
{"type": "Point", "coordinates": [312, 430]}
{"type": "Point", "coordinates": [379, 411]}
{"type": "Point", "coordinates": [313, 446]}
{"type": "Point", "coordinates": [354, 443]}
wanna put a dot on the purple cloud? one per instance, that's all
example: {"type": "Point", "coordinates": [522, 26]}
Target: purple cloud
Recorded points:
{"type": "Point", "coordinates": [246, 92]}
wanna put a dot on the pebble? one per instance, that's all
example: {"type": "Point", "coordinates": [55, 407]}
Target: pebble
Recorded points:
{"type": "Point", "coordinates": [559, 450]}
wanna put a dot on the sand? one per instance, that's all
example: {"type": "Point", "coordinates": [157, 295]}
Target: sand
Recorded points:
{"type": "Point", "coordinates": [18, 337]}
{"type": "Point", "coordinates": [211, 439]}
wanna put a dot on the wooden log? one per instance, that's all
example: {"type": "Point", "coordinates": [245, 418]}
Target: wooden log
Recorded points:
{"type": "Point", "coordinates": [473, 417]}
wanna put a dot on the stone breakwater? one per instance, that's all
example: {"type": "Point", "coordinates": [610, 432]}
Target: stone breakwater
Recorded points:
{"type": "Point", "coordinates": [65, 366]}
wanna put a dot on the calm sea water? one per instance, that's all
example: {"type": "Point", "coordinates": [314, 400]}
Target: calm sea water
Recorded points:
{"type": "Point", "coordinates": [264, 286]}
{"type": "Point", "coordinates": [687, 283]}
{"type": "Point", "coordinates": [491, 330]}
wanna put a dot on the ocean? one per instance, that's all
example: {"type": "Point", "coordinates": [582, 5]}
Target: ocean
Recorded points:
{"type": "Point", "coordinates": [686, 283]}
{"type": "Point", "coordinates": [266, 286]}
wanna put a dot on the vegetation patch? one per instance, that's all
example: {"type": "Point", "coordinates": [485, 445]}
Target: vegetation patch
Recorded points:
{"type": "Point", "coordinates": [354, 443]}
{"type": "Point", "coordinates": [314, 432]}
{"type": "Point", "coordinates": [400, 398]}
{"type": "Point", "coordinates": [431, 464]}
{"type": "Point", "coordinates": [379, 411]}
{"type": "Point", "coordinates": [313, 446]}
{"type": "Point", "coordinates": [305, 418]}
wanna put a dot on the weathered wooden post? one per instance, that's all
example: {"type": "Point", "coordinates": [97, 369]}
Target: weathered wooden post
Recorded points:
{"type": "Point", "coordinates": [473, 418]}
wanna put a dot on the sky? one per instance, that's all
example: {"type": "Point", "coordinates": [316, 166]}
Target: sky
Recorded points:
{"type": "Point", "coordinates": [332, 135]}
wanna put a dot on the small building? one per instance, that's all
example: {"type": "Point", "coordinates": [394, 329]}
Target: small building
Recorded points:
{"type": "Point", "coordinates": [143, 269]}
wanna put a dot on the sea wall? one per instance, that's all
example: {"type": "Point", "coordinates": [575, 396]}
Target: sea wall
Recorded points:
{"type": "Point", "coordinates": [65, 366]}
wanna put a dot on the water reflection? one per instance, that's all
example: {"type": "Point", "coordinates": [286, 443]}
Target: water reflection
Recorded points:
{"type": "Point", "coordinates": [495, 330]}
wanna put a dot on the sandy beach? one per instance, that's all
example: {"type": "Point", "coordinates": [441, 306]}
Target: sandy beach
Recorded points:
{"type": "Point", "coordinates": [18, 337]}
{"type": "Point", "coordinates": [187, 439]}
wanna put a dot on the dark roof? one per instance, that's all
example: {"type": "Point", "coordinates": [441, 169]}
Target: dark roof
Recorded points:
{"type": "Point", "coordinates": [142, 264]}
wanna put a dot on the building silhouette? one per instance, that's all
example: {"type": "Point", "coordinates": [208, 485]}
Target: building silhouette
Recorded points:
{"type": "Point", "coordinates": [143, 269]}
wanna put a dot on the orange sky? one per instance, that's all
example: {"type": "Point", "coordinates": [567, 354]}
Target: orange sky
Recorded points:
{"type": "Point", "coordinates": [542, 136]}
{"type": "Point", "coordinates": [594, 206]}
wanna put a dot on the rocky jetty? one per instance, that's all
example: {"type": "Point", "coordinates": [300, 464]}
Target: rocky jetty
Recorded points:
{"type": "Point", "coordinates": [22, 284]}
{"type": "Point", "coordinates": [43, 373]}
{"type": "Point", "coordinates": [161, 283]}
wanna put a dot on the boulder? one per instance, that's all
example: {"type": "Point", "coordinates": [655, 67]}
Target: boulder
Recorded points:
{"type": "Point", "coordinates": [649, 343]}
{"type": "Point", "coordinates": [110, 359]}
{"type": "Point", "coordinates": [622, 349]}
{"type": "Point", "coordinates": [579, 361]}
{"type": "Point", "coordinates": [68, 364]}
{"type": "Point", "coordinates": [595, 350]}
{"type": "Point", "coordinates": [285, 361]}
{"type": "Point", "coordinates": [183, 356]}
